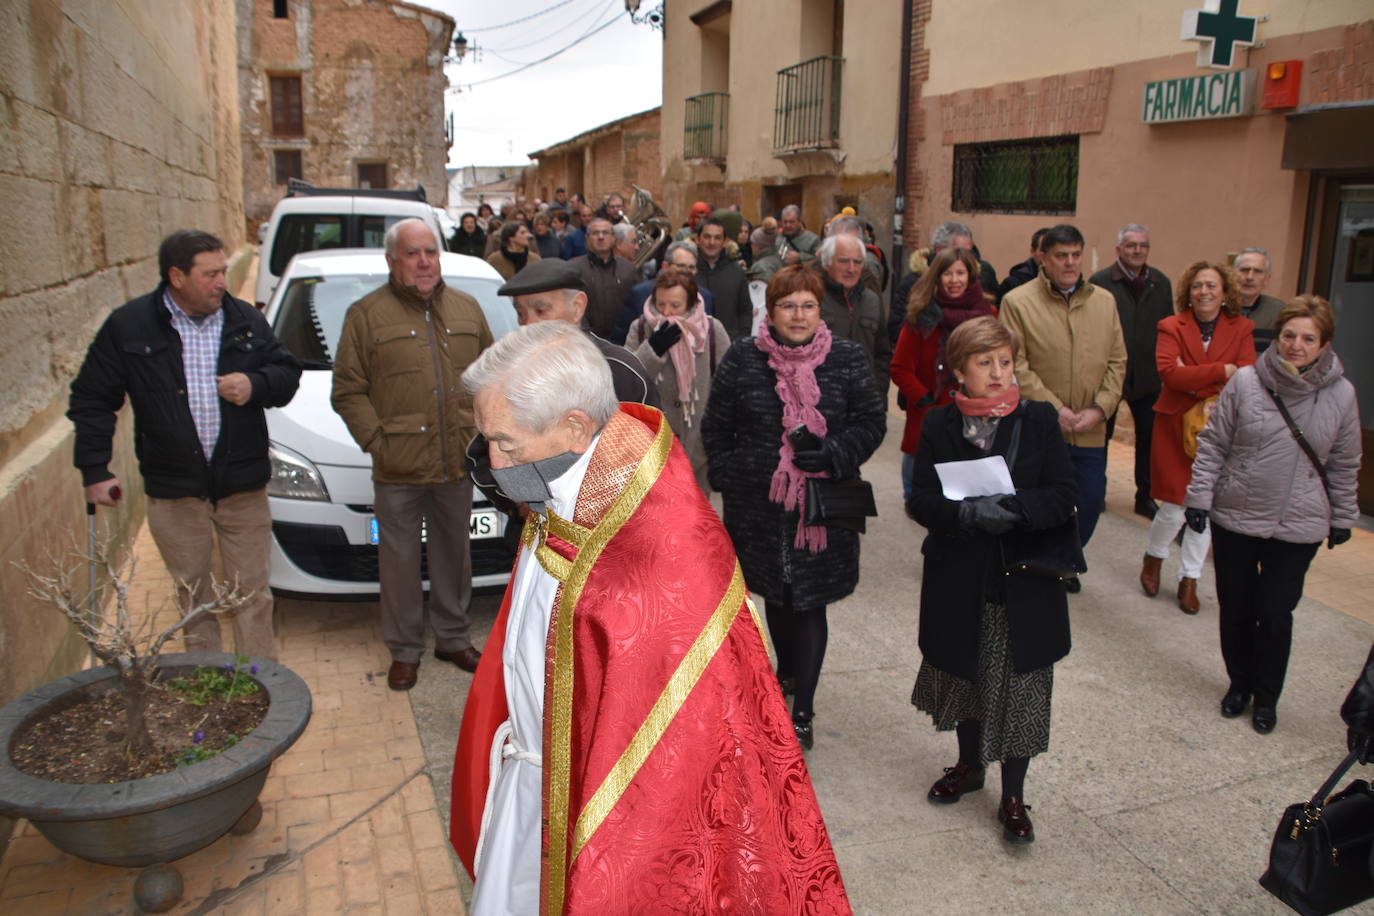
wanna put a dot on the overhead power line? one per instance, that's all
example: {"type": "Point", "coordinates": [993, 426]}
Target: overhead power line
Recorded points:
{"type": "Point", "coordinates": [547, 9]}
{"type": "Point", "coordinates": [577, 41]}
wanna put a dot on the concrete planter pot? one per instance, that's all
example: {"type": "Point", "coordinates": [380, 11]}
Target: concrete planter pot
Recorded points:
{"type": "Point", "coordinates": [161, 818]}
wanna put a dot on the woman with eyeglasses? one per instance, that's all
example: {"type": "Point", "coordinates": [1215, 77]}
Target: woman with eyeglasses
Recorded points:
{"type": "Point", "coordinates": [788, 404]}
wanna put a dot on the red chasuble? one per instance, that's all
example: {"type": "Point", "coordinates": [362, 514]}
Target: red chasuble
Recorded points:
{"type": "Point", "coordinates": [673, 781]}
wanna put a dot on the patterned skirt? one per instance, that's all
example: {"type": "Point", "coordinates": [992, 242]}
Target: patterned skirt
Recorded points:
{"type": "Point", "coordinates": [1014, 709]}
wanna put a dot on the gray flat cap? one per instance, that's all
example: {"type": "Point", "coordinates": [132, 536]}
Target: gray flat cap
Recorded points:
{"type": "Point", "coordinates": [542, 276]}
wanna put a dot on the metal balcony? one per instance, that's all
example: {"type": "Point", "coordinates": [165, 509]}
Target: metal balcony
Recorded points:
{"type": "Point", "coordinates": [703, 137]}
{"type": "Point", "coordinates": [806, 113]}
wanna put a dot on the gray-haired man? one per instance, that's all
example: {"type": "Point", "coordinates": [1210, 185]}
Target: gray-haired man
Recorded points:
{"type": "Point", "coordinates": [1252, 270]}
{"type": "Point", "coordinates": [396, 385]}
{"type": "Point", "coordinates": [1144, 297]}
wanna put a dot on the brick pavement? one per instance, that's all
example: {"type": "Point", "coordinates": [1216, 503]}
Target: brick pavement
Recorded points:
{"type": "Point", "coordinates": [349, 820]}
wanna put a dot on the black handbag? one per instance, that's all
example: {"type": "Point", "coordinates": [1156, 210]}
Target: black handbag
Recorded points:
{"type": "Point", "coordinates": [1320, 858]}
{"type": "Point", "coordinates": [840, 503]}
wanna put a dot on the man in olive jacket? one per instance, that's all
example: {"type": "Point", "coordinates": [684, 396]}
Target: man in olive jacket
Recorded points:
{"type": "Point", "coordinates": [1144, 297]}
{"type": "Point", "coordinates": [199, 368]}
{"type": "Point", "coordinates": [1073, 356]}
{"type": "Point", "coordinates": [396, 385]}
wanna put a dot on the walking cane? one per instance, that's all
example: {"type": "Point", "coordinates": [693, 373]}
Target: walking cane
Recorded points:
{"type": "Point", "coordinates": [91, 608]}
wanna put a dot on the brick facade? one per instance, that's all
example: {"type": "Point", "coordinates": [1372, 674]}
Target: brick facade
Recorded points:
{"type": "Point", "coordinates": [1344, 74]}
{"type": "Point", "coordinates": [1071, 103]}
{"type": "Point", "coordinates": [612, 157]}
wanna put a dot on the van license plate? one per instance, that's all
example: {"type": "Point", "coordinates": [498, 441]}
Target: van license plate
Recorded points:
{"type": "Point", "coordinates": [484, 523]}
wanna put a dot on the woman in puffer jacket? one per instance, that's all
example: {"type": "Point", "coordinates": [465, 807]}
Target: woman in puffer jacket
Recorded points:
{"type": "Point", "coordinates": [1269, 503]}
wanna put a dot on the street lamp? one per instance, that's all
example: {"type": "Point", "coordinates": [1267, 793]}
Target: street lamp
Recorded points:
{"type": "Point", "coordinates": [654, 17]}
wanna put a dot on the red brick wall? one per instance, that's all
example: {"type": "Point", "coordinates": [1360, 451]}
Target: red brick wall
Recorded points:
{"type": "Point", "coordinates": [1344, 74]}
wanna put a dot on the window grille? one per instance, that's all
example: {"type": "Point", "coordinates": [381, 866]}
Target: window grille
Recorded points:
{"type": "Point", "coordinates": [806, 109]}
{"type": "Point", "coordinates": [704, 131]}
{"type": "Point", "coordinates": [288, 119]}
{"type": "Point", "coordinates": [287, 165]}
{"type": "Point", "coordinates": [1016, 176]}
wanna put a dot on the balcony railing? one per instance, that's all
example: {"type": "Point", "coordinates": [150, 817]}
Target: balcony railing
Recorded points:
{"type": "Point", "coordinates": [704, 134]}
{"type": "Point", "coordinates": [806, 114]}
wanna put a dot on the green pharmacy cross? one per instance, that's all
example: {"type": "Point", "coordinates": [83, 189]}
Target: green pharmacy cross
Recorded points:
{"type": "Point", "coordinates": [1220, 28]}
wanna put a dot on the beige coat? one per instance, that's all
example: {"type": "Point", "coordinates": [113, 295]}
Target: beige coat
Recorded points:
{"type": "Point", "coordinates": [661, 371]}
{"type": "Point", "coordinates": [396, 381]}
{"type": "Point", "coordinates": [1072, 354]}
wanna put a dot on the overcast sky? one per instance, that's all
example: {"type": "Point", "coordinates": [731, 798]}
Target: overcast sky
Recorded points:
{"type": "Point", "coordinates": [610, 74]}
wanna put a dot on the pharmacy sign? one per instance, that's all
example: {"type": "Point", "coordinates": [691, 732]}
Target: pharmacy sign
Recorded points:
{"type": "Point", "coordinates": [1220, 28]}
{"type": "Point", "coordinates": [1197, 98]}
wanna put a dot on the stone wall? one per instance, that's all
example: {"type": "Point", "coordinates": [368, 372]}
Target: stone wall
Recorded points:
{"type": "Point", "coordinates": [605, 159]}
{"type": "Point", "coordinates": [372, 90]}
{"type": "Point", "coordinates": [118, 124]}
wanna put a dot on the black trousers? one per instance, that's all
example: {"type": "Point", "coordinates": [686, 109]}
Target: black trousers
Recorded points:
{"type": "Point", "coordinates": [1259, 583]}
{"type": "Point", "coordinates": [1143, 413]}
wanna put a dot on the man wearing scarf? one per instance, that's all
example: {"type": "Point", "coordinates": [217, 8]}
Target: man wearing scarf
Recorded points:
{"type": "Point", "coordinates": [1144, 297]}
{"type": "Point", "coordinates": [401, 352]}
{"type": "Point", "coordinates": [624, 747]}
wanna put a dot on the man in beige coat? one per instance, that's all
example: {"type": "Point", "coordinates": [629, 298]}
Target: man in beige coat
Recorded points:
{"type": "Point", "coordinates": [396, 385]}
{"type": "Point", "coordinates": [1072, 355]}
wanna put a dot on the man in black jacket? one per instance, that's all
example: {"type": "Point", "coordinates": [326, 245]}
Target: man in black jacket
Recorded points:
{"type": "Point", "coordinates": [199, 368]}
{"type": "Point", "coordinates": [1144, 296]}
{"type": "Point", "coordinates": [725, 280]}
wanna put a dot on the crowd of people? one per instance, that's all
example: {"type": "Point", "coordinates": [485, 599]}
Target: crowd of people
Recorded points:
{"type": "Point", "coordinates": [754, 338]}
{"type": "Point", "coordinates": [753, 362]}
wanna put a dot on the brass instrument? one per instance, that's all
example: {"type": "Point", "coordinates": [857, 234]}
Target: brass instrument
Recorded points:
{"type": "Point", "coordinates": [652, 227]}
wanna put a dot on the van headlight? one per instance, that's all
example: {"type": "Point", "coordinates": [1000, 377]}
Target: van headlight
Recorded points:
{"type": "Point", "coordinates": [294, 476]}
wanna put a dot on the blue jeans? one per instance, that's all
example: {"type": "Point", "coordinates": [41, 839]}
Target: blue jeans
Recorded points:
{"type": "Point", "coordinates": [908, 471]}
{"type": "Point", "coordinates": [1090, 471]}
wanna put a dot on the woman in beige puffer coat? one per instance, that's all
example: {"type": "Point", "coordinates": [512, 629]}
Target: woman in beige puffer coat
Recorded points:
{"type": "Point", "coordinates": [1268, 504]}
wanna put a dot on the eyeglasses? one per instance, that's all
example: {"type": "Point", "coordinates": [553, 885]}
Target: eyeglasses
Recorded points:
{"type": "Point", "coordinates": [793, 308]}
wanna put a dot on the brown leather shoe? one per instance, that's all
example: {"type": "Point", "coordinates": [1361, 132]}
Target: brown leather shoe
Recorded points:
{"type": "Point", "coordinates": [1187, 596]}
{"type": "Point", "coordinates": [466, 659]}
{"type": "Point", "coordinates": [402, 675]}
{"type": "Point", "coordinates": [957, 780]}
{"type": "Point", "coordinates": [1016, 823]}
{"type": "Point", "coordinates": [1149, 575]}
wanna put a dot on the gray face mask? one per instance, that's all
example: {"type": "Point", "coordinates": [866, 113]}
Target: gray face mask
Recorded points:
{"type": "Point", "coordinates": [529, 483]}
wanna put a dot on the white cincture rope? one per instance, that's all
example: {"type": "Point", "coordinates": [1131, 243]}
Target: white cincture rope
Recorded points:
{"type": "Point", "coordinates": [503, 748]}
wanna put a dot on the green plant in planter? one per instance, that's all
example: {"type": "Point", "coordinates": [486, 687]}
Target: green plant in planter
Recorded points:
{"type": "Point", "coordinates": [130, 648]}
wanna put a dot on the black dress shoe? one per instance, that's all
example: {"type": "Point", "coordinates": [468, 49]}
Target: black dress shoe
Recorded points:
{"type": "Point", "coordinates": [806, 736]}
{"type": "Point", "coordinates": [1072, 585]}
{"type": "Point", "coordinates": [1146, 507]}
{"type": "Point", "coordinates": [957, 780]}
{"type": "Point", "coordinates": [1264, 718]}
{"type": "Point", "coordinates": [1234, 703]}
{"type": "Point", "coordinates": [1016, 823]}
{"type": "Point", "coordinates": [466, 659]}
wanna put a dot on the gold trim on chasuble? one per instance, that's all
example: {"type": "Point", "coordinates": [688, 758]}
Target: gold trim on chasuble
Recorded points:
{"type": "Point", "coordinates": [665, 708]}
{"type": "Point", "coordinates": [558, 760]}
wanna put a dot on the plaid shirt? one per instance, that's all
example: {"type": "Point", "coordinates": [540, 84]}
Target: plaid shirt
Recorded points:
{"type": "Point", "coordinates": [200, 359]}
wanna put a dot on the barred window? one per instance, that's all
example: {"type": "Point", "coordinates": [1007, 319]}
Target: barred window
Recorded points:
{"type": "Point", "coordinates": [1016, 176]}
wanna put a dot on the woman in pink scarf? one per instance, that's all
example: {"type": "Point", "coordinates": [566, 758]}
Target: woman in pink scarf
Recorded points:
{"type": "Point", "coordinates": [793, 377]}
{"type": "Point", "coordinates": [680, 345]}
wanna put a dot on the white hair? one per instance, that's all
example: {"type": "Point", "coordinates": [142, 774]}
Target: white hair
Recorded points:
{"type": "Point", "coordinates": [826, 252]}
{"type": "Point", "coordinates": [623, 232]}
{"type": "Point", "coordinates": [680, 245]}
{"type": "Point", "coordinates": [1129, 227]}
{"type": "Point", "coordinates": [394, 233]}
{"type": "Point", "coordinates": [941, 236]}
{"type": "Point", "coordinates": [845, 225]}
{"type": "Point", "coordinates": [545, 370]}
{"type": "Point", "coordinates": [1255, 249]}
{"type": "Point", "coordinates": [792, 210]}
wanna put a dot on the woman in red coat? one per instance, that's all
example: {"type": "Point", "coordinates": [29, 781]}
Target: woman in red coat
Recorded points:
{"type": "Point", "coordinates": [947, 295]}
{"type": "Point", "coordinates": [1197, 351]}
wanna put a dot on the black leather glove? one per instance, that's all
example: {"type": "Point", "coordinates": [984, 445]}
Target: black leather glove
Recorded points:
{"type": "Point", "coordinates": [1197, 519]}
{"type": "Point", "coordinates": [666, 335]}
{"type": "Point", "coordinates": [1336, 537]}
{"type": "Point", "coordinates": [984, 514]}
{"type": "Point", "coordinates": [1013, 505]}
{"type": "Point", "coordinates": [813, 460]}
{"type": "Point", "coordinates": [1361, 744]}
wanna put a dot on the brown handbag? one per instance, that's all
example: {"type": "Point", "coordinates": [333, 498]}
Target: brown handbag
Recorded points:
{"type": "Point", "coordinates": [1194, 420]}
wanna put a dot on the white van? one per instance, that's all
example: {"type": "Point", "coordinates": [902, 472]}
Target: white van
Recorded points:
{"type": "Point", "coordinates": [311, 218]}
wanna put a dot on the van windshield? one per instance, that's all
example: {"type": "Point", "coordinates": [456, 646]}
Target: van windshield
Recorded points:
{"type": "Point", "coordinates": [297, 232]}
{"type": "Point", "coordinates": [310, 319]}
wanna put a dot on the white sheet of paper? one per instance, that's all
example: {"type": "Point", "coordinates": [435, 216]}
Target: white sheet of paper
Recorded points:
{"type": "Point", "coordinates": [978, 477]}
